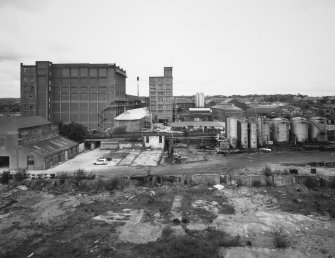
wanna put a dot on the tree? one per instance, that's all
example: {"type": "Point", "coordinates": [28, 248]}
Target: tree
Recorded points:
{"type": "Point", "coordinates": [73, 131]}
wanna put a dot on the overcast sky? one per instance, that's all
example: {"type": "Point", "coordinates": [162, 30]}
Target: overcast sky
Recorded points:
{"type": "Point", "coordinates": [215, 46]}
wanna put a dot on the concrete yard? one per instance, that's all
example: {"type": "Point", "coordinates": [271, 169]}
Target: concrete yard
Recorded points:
{"type": "Point", "coordinates": [148, 158]}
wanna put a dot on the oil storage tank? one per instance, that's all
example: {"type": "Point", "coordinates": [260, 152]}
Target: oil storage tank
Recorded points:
{"type": "Point", "coordinates": [243, 138]}
{"type": "Point", "coordinates": [280, 130]}
{"type": "Point", "coordinates": [253, 135]}
{"type": "Point", "coordinates": [318, 129]}
{"type": "Point", "coordinates": [264, 131]}
{"type": "Point", "coordinates": [299, 129]}
{"type": "Point", "coordinates": [231, 131]}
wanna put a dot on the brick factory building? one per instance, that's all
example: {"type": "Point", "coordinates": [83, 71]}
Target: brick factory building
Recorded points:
{"type": "Point", "coordinates": [32, 143]}
{"type": "Point", "coordinates": [89, 94]}
{"type": "Point", "coordinates": [161, 96]}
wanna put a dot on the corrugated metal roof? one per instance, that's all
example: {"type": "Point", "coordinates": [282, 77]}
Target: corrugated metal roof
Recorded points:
{"type": "Point", "coordinates": [227, 107]}
{"type": "Point", "coordinates": [50, 146]}
{"type": "Point", "coordinates": [197, 124]}
{"type": "Point", "coordinates": [12, 124]}
{"type": "Point", "coordinates": [182, 100]}
{"type": "Point", "coordinates": [133, 114]}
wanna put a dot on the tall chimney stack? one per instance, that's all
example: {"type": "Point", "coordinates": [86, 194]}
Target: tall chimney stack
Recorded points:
{"type": "Point", "coordinates": [138, 86]}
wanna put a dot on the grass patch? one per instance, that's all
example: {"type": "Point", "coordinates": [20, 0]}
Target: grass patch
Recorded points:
{"type": "Point", "coordinates": [256, 183]}
{"type": "Point", "coordinates": [204, 245]}
{"type": "Point", "coordinates": [5, 177]}
{"type": "Point", "coordinates": [280, 239]}
{"type": "Point", "coordinates": [311, 182]}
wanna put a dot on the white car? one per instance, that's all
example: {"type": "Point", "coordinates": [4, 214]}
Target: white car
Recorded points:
{"type": "Point", "coordinates": [101, 161]}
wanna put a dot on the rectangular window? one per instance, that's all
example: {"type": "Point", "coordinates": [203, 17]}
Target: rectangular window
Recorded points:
{"type": "Point", "coordinates": [160, 139]}
{"type": "Point", "coordinates": [147, 139]}
{"type": "Point", "coordinates": [30, 160]}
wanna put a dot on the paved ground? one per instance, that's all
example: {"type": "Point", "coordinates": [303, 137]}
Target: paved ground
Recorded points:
{"type": "Point", "coordinates": [210, 162]}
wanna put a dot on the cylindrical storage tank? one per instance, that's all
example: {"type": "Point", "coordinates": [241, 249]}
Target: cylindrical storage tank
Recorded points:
{"type": "Point", "coordinates": [232, 131]}
{"type": "Point", "coordinates": [266, 130]}
{"type": "Point", "coordinates": [243, 134]}
{"type": "Point", "coordinates": [280, 130]}
{"type": "Point", "coordinates": [253, 135]}
{"type": "Point", "coordinates": [299, 129]}
{"type": "Point", "coordinates": [263, 131]}
{"type": "Point", "coordinates": [318, 129]}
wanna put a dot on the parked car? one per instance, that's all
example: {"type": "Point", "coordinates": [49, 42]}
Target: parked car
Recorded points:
{"type": "Point", "coordinates": [100, 161]}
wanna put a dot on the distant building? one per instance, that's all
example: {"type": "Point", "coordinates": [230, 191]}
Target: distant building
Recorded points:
{"type": "Point", "coordinates": [195, 114]}
{"type": "Point", "coordinates": [32, 143]}
{"type": "Point", "coordinates": [221, 112]}
{"type": "Point", "coordinates": [89, 94]}
{"type": "Point", "coordinates": [181, 106]}
{"type": "Point", "coordinates": [199, 100]}
{"type": "Point", "coordinates": [134, 120]}
{"type": "Point", "coordinates": [161, 96]}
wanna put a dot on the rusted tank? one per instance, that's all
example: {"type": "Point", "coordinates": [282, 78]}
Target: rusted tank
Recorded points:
{"type": "Point", "coordinates": [253, 135]}
{"type": "Point", "coordinates": [243, 134]}
{"type": "Point", "coordinates": [299, 129]}
{"type": "Point", "coordinates": [264, 131]}
{"type": "Point", "coordinates": [231, 127]}
{"type": "Point", "coordinates": [280, 130]}
{"type": "Point", "coordinates": [318, 129]}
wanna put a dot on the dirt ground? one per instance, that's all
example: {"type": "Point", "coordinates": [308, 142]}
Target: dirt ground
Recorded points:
{"type": "Point", "coordinates": [198, 162]}
{"type": "Point", "coordinates": [167, 221]}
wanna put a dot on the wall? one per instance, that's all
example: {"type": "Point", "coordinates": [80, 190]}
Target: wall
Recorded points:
{"type": "Point", "coordinates": [10, 149]}
{"type": "Point", "coordinates": [131, 125]}
{"type": "Point", "coordinates": [154, 141]}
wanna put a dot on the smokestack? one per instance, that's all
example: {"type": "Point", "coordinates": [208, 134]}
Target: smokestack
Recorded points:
{"type": "Point", "coordinates": [138, 86]}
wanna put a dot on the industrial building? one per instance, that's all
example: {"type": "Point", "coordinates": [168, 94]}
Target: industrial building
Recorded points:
{"type": "Point", "coordinates": [161, 96]}
{"type": "Point", "coordinates": [199, 100]}
{"type": "Point", "coordinates": [134, 120]}
{"type": "Point", "coordinates": [222, 111]}
{"type": "Point", "coordinates": [89, 94]}
{"type": "Point", "coordinates": [32, 143]}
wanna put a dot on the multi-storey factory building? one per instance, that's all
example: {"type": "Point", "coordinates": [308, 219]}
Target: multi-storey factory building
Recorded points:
{"type": "Point", "coordinates": [161, 96]}
{"type": "Point", "coordinates": [89, 94]}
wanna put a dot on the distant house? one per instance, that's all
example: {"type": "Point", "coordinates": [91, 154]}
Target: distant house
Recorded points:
{"type": "Point", "coordinates": [291, 111]}
{"type": "Point", "coordinates": [265, 110]}
{"type": "Point", "coordinates": [134, 120]}
{"type": "Point", "coordinates": [32, 143]}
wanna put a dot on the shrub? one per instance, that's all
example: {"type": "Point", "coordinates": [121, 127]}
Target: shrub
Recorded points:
{"type": "Point", "coordinates": [112, 184]}
{"type": "Point", "coordinates": [62, 177]}
{"type": "Point", "coordinates": [119, 130]}
{"type": "Point", "coordinates": [267, 171]}
{"type": "Point", "coordinates": [239, 182]}
{"type": "Point", "coordinates": [221, 238]}
{"type": "Point", "coordinates": [256, 183]}
{"type": "Point", "coordinates": [332, 183]}
{"type": "Point", "coordinates": [20, 174]}
{"type": "Point", "coordinates": [311, 182]}
{"type": "Point", "coordinates": [280, 239]}
{"type": "Point", "coordinates": [332, 212]}
{"type": "Point", "coordinates": [5, 176]}
{"type": "Point", "coordinates": [79, 175]}
{"type": "Point", "coordinates": [167, 231]}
